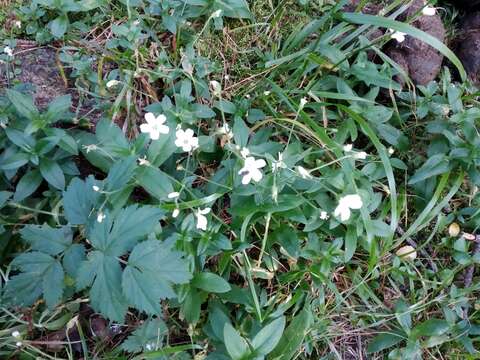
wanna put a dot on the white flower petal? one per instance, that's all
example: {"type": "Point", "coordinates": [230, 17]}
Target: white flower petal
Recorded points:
{"type": "Point", "coordinates": [347, 147]}
{"type": "Point", "coordinates": [429, 11]}
{"type": "Point", "coordinates": [175, 213]}
{"type": "Point", "coordinates": [353, 201]}
{"type": "Point", "coordinates": [150, 118]}
{"type": "Point", "coordinates": [205, 211]}
{"type": "Point", "coordinates": [173, 195]}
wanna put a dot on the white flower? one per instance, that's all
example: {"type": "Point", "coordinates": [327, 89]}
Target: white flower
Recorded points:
{"type": "Point", "coordinates": [303, 102]}
{"type": "Point", "coordinates": [251, 170]}
{"type": "Point", "coordinates": [429, 11]}
{"type": "Point", "coordinates": [391, 150]}
{"type": "Point", "coordinates": [173, 195]}
{"type": "Point", "coordinates": [324, 215]}
{"type": "Point", "coordinates": [267, 92]}
{"type": "Point", "coordinates": [16, 334]}
{"type": "Point", "coordinates": [186, 140]}
{"type": "Point", "coordinates": [100, 217]}
{"type": "Point", "coordinates": [8, 50]}
{"type": "Point", "coordinates": [347, 147]}
{"type": "Point", "coordinates": [112, 83]}
{"type": "Point", "coordinates": [18, 24]}
{"type": "Point", "coordinates": [18, 343]}
{"type": "Point", "coordinates": [143, 161]}
{"type": "Point", "coordinates": [216, 87]}
{"type": "Point", "coordinates": [407, 253]}
{"type": "Point", "coordinates": [245, 153]}
{"type": "Point", "coordinates": [217, 13]}
{"type": "Point", "coordinates": [91, 147]}
{"type": "Point", "coordinates": [362, 155]}
{"type": "Point", "coordinates": [202, 219]}
{"type": "Point", "coordinates": [278, 164]}
{"type": "Point", "coordinates": [95, 188]}
{"type": "Point", "coordinates": [304, 173]}
{"type": "Point", "coordinates": [346, 203]}
{"type": "Point", "coordinates": [154, 126]}
{"type": "Point", "coordinates": [175, 213]}
{"type": "Point", "coordinates": [225, 130]}
{"type": "Point", "coordinates": [397, 35]}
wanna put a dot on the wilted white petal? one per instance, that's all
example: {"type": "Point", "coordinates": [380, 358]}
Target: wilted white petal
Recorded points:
{"type": "Point", "coordinates": [324, 215]}
{"type": "Point", "coordinates": [95, 188]}
{"type": "Point", "coordinates": [429, 11]}
{"type": "Point", "coordinates": [347, 147]}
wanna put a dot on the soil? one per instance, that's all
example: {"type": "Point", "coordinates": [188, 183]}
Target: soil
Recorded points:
{"type": "Point", "coordinates": [419, 60]}
{"type": "Point", "coordinates": [468, 46]}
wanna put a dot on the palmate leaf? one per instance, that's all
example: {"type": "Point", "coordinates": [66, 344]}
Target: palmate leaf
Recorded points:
{"type": "Point", "coordinates": [150, 333]}
{"type": "Point", "coordinates": [47, 239]}
{"type": "Point", "coordinates": [42, 274]}
{"type": "Point", "coordinates": [151, 271]}
{"type": "Point", "coordinates": [79, 200]}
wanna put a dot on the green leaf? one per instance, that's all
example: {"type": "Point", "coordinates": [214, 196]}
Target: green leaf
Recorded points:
{"type": "Point", "coordinates": [132, 224]}
{"type": "Point", "coordinates": [152, 270]}
{"type": "Point", "coordinates": [236, 345]}
{"type": "Point", "coordinates": [23, 104]}
{"type": "Point", "coordinates": [59, 26]}
{"type": "Point", "coordinates": [58, 107]}
{"type": "Point", "coordinates": [267, 338]}
{"type": "Point", "coordinates": [382, 342]}
{"type": "Point", "coordinates": [211, 282]}
{"type": "Point", "coordinates": [436, 165]}
{"type": "Point", "coordinates": [104, 274]}
{"type": "Point", "coordinates": [73, 256]}
{"type": "Point", "coordinates": [350, 243]}
{"type": "Point", "coordinates": [151, 332]}
{"type": "Point", "coordinates": [431, 327]}
{"type": "Point", "coordinates": [27, 185]}
{"type": "Point", "coordinates": [293, 336]}
{"type": "Point", "coordinates": [160, 150]}
{"type": "Point", "coordinates": [53, 173]}
{"type": "Point", "coordinates": [79, 200]}
{"type": "Point", "coordinates": [41, 274]}
{"type": "Point", "coordinates": [154, 181]}
{"type": "Point", "coordinates": [120, 173]}
{"type": "Point", "coordinates": [13, 161]}
{"type": "Point", "coordinates": [47, 239]}
{"type": "Point", "coordinates": [241, 132]}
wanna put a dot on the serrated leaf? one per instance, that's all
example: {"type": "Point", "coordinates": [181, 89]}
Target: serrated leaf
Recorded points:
{"type": "Point", "coordinates": [41, 274]}
{"type": "Point", "coordinates": [47, 239]}
{"type": "Point", "coordinates": [104, 274]}
{"type": "Point", "coordinates": [72, 257]}
{"type": "Point", "coordinates": [149, 333]}
{"type": "Point", "coordinates": [79, 200]}
{"type": "Point", "coordinates": [152, 270]}
{"type": "Point", "coordinates": [117, 236]}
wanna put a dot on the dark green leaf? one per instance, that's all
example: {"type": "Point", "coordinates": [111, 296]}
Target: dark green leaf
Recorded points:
{"type": "Point", "coordinates": [211, 282]}
{"type": "Point", "coordinates": [27, 185]}
{"type": "Point", "coordinates": [267, 338]}
{"type": "Point", "coordinates": [382, 342]}
{"type": "Point", "coordinates": [53, 173]}
{"type": "Point", "coordinates": [47, 239]}
{"type": "Point", "coordinates": [236, 346]}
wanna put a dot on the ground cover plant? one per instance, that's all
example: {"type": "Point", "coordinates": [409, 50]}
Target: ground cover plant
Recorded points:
{"type": "Point", "coordinates": [232, 179]}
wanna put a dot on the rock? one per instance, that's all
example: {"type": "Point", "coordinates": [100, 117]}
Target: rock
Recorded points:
{"type": "Point", "coordinates": [468, 46]}
{"type": "Point", "coordinates": [421, 61]}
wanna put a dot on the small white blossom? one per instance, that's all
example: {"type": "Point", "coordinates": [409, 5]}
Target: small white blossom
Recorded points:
{"type": "Point", "coordinates": [245, 153]}
{"type": "Point", "coordinates": [16, 334]}
{"type": "Point", "coordinates": [18, 24]}
{"type": "Point", "coordinates": [251, 170]}
{"type": "Point", "coordinates": [227, 77]}
{"type": "Point", "coordinates": [362, 155]}
{"type": "Point", "coordinates": [347, 203]}
{"type": "Point", "coordinates": [186, 140]}
{"type": "Point", "coordinates": [18, 343]}
{"type": "Point", "coordinates": [429, 11]}
{"type": "Point", "coordinates": [324, 215]}
{"type": "Point", "coordinates": [112, 83]}
{"type": "Point", "coordinates": [175, 212]}
{"type": "Point", "coordinates": [347, 147]}
{"type": "Point", "coordinates": [278, 164]}
{"type": "Point", "coordinates": [225, 130]}
{"type": "Point", "coordinates": [407, 253]}
{"type": "Point", "coordinates": [202, 219]}
{"type": "Point", "coordinates": [217, 13]}
{"type": "Point", "coordinates": [267, 92]}
{"type": "Point", "coordinates": [173, 195]}
{"type": "Point", "coordinates": [91, 147]}
{"type": "Point", "coordinates": [143, 161]}
{"type": "Point", "coordinates": [154, 126]}
{"type": "Point", "coordinates": [216, 87]}
{"type": "Point", "coordinates": [95, 188]}
{"type": "Point", "coordinates": [397, 35]}
{"type": "Point", "coordinates": [100, 217]}
{"type": "Point", "coordinates": [304, 173]}
{"type": "Point", "coordinates": [303, 102]}
{"type": "Point", "coordinates": [391, 150]}
{"type": "Point", "coordinates": [8, 50]}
